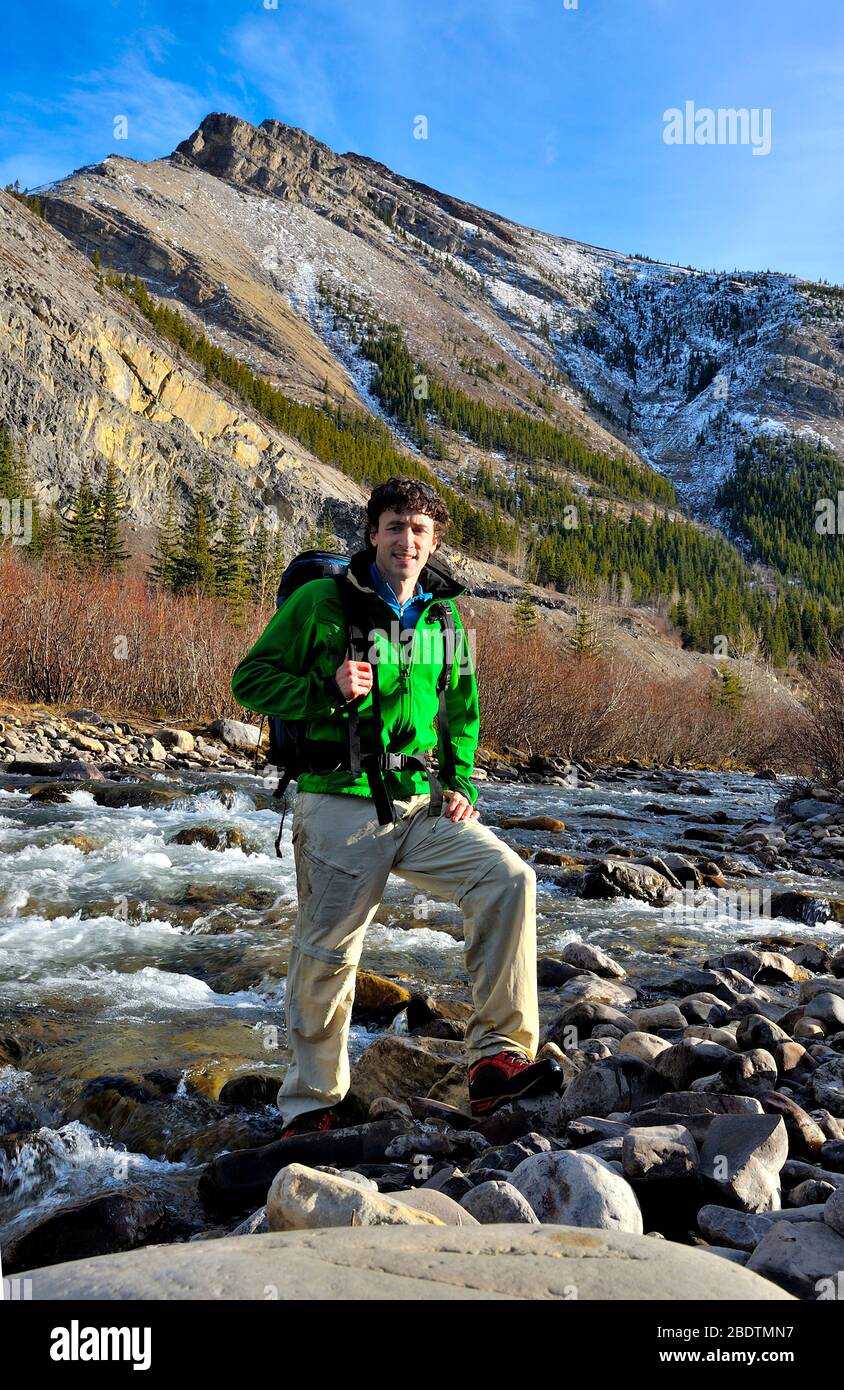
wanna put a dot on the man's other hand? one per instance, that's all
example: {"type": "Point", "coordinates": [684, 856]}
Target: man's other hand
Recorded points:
{"type": "Point", "coordinates": [354, 678]}
{"type": "Point", "coordinates": [459, 807]}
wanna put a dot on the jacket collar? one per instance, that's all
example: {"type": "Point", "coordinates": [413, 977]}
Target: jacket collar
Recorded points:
{"type": "Point", "coordinates": [436, 577]}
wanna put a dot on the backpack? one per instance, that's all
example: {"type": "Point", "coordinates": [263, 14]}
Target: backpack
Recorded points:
{"type": "Point", "coordinates": [292, 753]}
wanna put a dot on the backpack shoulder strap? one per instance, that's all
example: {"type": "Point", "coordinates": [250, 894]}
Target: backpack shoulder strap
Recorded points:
{"type": "Point", "coordinates": [444, 614]}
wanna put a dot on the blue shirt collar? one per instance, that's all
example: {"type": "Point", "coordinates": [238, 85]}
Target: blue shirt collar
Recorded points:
{"type": "Point", "coordinates": [388, 593]}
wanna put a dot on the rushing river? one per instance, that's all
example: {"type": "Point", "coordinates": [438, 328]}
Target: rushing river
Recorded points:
{"type": "Point", "coordinates": [125, 955]}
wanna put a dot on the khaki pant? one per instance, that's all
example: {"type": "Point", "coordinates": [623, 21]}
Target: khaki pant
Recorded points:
{"type": "Point", "coordinates": [343, 859]}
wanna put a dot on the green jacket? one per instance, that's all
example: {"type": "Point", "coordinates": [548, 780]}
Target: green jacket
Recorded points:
{"type": "Point", "coordinates": [289, 674]}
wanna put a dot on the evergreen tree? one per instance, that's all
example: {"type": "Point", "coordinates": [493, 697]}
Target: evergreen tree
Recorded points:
{"type": "Point", "coordinates": [164, 569]}
{"type": "Point", "coordinates": [731, 693]}
{"type": "Point", "coordinates": [584, 640]}
{"type": "Point", "coordinates": [197, 569]}
{"type": "Point", "coordinates": [111, 506]}
{"type": "Point", "coordinates": [232, 569]}
{"type": "Point", "coordinates": [79, 525]}
{"type": "Point", "coordinates": [49, 535]}
{"type": "Point", "coordinates": [8, 466]}
{"type": "Point", "coordinates": [525, 616]}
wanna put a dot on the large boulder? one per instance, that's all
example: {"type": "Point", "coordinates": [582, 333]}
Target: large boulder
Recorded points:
{"type": "Point", "coordinates": [414, 1264]}
{"type": "Point", "coordinates": [743, 1230]}
{"type": "Point", "coordinates": [302, 1198]}
{"type": "Point", "coordinates": [806, 1259]}
{"type": "Point", "coordinates": [497, 1201]}
{"type": "Point", "coordinates": [618, 878]}
{"type": "Point", "coordinates": [827, 1086]}
{"type": "Point", "coordinates": [235, 734]}
{"type": "Point", "coordinates": [588, 957]}
{"type": "Point", "coordinates": [402, 1067]}
{"type": "Point", "coordinates": [659, 1152]}
{"type": "Point", "coordinates": [616, 1085]}
{"type": "Point", "coordinates": [742, 1156]}
{"type": "Point", "coordinates": [119, 1220]}
{"type": "Point", "coordinates": [576, 1189]}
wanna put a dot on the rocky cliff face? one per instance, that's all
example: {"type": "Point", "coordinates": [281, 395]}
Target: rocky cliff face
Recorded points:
{"type": "Point", "coordinates": [85, 382]}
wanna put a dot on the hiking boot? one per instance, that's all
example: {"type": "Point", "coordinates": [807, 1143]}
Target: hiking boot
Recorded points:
{"type": "Point", "coordinates": [493, 1081]}
{"type": "Point", "coordinates": [312, 1122]}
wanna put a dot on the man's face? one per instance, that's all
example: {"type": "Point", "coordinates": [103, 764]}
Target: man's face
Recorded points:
{"type": "Point", "coordinates": [403, 543]}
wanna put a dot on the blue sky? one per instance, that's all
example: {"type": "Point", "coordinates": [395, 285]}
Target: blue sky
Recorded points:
{"type": "Point", "coordinates": [548, 111]}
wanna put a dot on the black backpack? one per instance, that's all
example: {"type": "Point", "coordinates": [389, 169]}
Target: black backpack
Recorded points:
{"type": "Point", "coordinates": [292, 753]}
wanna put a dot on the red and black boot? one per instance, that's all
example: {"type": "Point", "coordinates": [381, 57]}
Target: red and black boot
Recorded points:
{"type": "Point", "coordinates": [311, 1122]}
{"type": "Point", "coordinates": [506, 1076]}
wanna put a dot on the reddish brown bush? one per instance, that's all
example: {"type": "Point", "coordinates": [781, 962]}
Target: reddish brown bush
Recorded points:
{"type": "Point", "coordinates": [110, 642]}
{"type": "Point", "coordinates": [544, 699]}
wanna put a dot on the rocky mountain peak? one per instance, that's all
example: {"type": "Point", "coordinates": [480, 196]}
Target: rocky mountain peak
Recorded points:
{"type": "Point", "coordinates": [273, 158]}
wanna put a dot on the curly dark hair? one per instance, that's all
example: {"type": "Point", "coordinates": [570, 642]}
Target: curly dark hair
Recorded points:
{"type": "Point", "coordinates": [406, 495]}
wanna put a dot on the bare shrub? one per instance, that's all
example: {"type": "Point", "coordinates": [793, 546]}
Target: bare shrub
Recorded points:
{"type": "Point", "coordinates": [824, 734]}
{"type": "Point", "coordinates": [544, 699]}
{"type": "Point", "coordinates": [111, 642]}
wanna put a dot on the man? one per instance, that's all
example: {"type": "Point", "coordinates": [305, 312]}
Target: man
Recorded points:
{"type": "Point", "coordinates": [300, 668]}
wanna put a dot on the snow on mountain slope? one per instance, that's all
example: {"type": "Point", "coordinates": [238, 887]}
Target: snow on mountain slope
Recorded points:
{"type": "Point", "coordinates": [667, 363]}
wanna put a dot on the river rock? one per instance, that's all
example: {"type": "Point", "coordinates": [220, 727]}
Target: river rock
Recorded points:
{"type": "Point", "coordinates": [250, 1090]}
{"type": "Point", "coordinates": [657, 1016]}
{"type": "Point", "coordinates": [810, 1193]}
{"type": "Point", "coordinates": [594, 989]}
{"type": "Point", "coordinates": [832, 1153]}
{"type": "Point", "coordinates": [704, 1008]}
{"type": "Point", "coordinates": [459, 1145]}
{"type": "Point", "coordinates": [254, 1225]}
{"type": "Point", "coordinates": [547, 823]}
{"type": "Point", "coordinates": [689, 1059]}
{"type": "Point", "coordinates": [616, 1085]}
{"type": "Point", "coordinates": [796, 906]}
{"type": "Point", "coordinates": [828, 1009]}
{"type": "Point", "coordinates": [645, 1046]}
{"type": "Point", "coordinates": [235, 734]}
{"type": "Point", "coordinates": [827, 1085]}
{"type": "Point", "coordinates": [216, 837]}
{"type": "Point", "coordinates": [238, 1181]}
{"type": "Point", "coordinates": [377, 1000]}
{"type": "Point", "coordinates": [805, 1259]}
{"type": "Point", "coordinates": [509, 1156]}
{"type": "Point", "coordinates": [615, 878]}
{"type": "Point", "coordinates": [749, 1073]}
{"type": "Point", "coordinates": [436, 1203]}
{"type": "Point", "coordinates": [805, 1136]}
{"type": "Point", "coordinates": [744, 1229]}
{"type": "Point", "coordinates": [401, 1067]}
{"type": "Point", "coordinates": [658, 1152]}
{"type": "Point", "coordinates": [587, 957]}
{"type": "Point", "coordinates": [551, 973]}
{"type": "Point", "coordinates": [754, 1030]}
{"type": "Point", "coordinates": [302, 1198]}
{"type": "Point", "coordinates": [177, 740]}
{"type": "Point", "coordinates": [497, 1202]}
{"type": "Point", "coordinates": [809, 1029]}
{"type": "Point", "coordinates": [820, 984]}
{"type": "Point", "coordinates": [742, 1156]}
{"type": "Point", "coordinates": [575, 1189]}
{"type": "Point", "coordinates": [121, 1219]}
{"type": "Point", "coordinates": [415, 1264]}
{"type": "Point", "coordinates": [577, 1021]}
{"type": "Point", "coordinates": [833, 1211]}
{"type": "Point", "coordinates": [722, 1036]}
